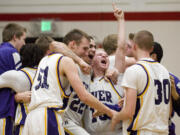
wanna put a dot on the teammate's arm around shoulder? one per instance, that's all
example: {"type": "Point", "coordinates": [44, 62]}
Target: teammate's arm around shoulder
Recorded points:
{"type": "Point", "coordinates": [17, 81]}
{"type": "Point", "coordinates": [10, 78]}
{"type": "Point", "coordinates": [69, 69]}
{"type": "Point", "coordinates": [62, 48]}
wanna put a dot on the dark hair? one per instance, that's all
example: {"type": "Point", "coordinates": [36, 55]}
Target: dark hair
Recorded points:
{"type": "Point", "coordinates": [12, 29]}
{"type": "Point", "coordinates": [31, 54]}
{"type": "Point", "coordinates": [157, 50]}
{"type": "Point", "coordinates": [75, 35]}
{"type": "Point", "coordinates": [110, 43]}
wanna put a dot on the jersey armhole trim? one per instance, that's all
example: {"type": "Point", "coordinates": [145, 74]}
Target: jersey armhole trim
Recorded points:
{"type": "Point", "coordinates": [58, 78]}
{"type": "Point", "coordinates": [148, 80]}
{"type": "Point", "coordinates": [28, 75]}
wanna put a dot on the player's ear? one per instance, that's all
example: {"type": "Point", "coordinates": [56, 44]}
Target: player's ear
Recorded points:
{"type": "Point", "coordinates": [14, 38]}
{"type": "Point", "coordinates": [154, 56]}
{"type": "Point", "coordinates": [134, 46]}
{"type": "Point", "coordinates": [48, 52]}
{"type": "Point", "coordinates": [72, 44]}
{"type": "Point", "coordinates": [151, 50]}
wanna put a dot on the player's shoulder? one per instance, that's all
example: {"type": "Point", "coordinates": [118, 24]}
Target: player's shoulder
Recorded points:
{"type": "Point", "coordinates": [53, 56]}
{"type": "Point", "coordinates": [7, 48]}
{"type": "Point", "coordinates": [67, 59]}
{"type": "Point", "coordinates": [148, 62]}
{"type": "Point", "coordinates": [66, 62]}
{"type": "Point", "coordinates": [29, 69]}
{"type": "Point", "coordinates": [9, 52]}
{"type": "Point", "coordinates": [163, 69]}
{"type": "Point", "coordinates": [135, 67]}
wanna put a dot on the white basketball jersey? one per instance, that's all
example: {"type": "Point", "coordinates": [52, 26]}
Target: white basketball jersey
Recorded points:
{"type": "Point", "coordinates": [29, 73]}
{"type": "Point", "coordinates": [152, 82]}
{"type": "Point", "coordinates": [107, 93]}
{"type": "Point", "coordinates": [47, 89]}
{"type": "Point", "coordinates": [22, 108]}
{"type": "Point", "coordinates": [111, 61]}
{"type": "Point", "coordinates": [76, 108]}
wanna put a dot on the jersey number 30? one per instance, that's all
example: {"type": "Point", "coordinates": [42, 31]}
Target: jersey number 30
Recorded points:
{"type": "Point", "coordinates": [163, 90]}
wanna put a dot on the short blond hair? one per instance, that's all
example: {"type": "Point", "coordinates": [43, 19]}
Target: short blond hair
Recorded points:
{"type": "Point", "coordinates": [110, 43]}
{"type": "Point", "coordinates": [144, 39]}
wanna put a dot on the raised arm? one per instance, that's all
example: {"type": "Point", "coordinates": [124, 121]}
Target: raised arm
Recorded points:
{"type": "Point", "coordinates": [119, 66]}
{"type": "Point", "coordinates": [120, 52]}
{"type": "Point", "coordinates": [62, 48]}
{"type": "Point", "coordinates": [70, 70]}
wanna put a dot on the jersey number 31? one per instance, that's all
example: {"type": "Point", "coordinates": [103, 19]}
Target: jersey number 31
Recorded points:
{"type": "Point", "coordinates": [42, 79]}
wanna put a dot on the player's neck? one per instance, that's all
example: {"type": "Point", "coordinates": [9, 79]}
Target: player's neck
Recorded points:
{"type": "Point", "coordinates": [142, 54]}
{"type": "Point", "coordinates": [48, 52]}
{"type": "Point", "coordinates": [98, 73]}
{"type": "Point", "coordinates": [13, 44]}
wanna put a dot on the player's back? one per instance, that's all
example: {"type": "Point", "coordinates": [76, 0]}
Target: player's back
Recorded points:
{"type": "Point", "coordinates": [47, 89]}
{"type": "Point", "coordinates": [153, 99]}
{"type": "Point", "coordinates": [47, 98]}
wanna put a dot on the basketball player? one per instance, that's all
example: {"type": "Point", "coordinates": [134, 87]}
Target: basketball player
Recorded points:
{"type": "Point", "coordinates": [129, 45]}
{"type": "Point", "coordinates": [110, 45]}
{"type": "Point", "coordinates": [13, 39]}
{"type": "Point", "coordinates": [49, 90]}
{"type": "Point", "coordinates": [147, 92]}
{"type": "Point", "coordinates": [175, 94]}
{"type": "Point", "coordinates": [31, 54]}
{"type": "Point", "coordinates": [63, 49]}
{"type": "Point", "coordinates": [91, 51]}
{"type": "Point", "coordinates": [157, 55]}
{"type": "Point", "coordinates": [78, 41]}
{"type": "Point", "coordinates": [21, 80]}
{"type": "Point", "coordinates": [107, 93]}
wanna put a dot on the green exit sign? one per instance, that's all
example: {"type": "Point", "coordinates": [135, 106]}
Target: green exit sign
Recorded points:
{"type": "Point", "coordinates": [46, 26]}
